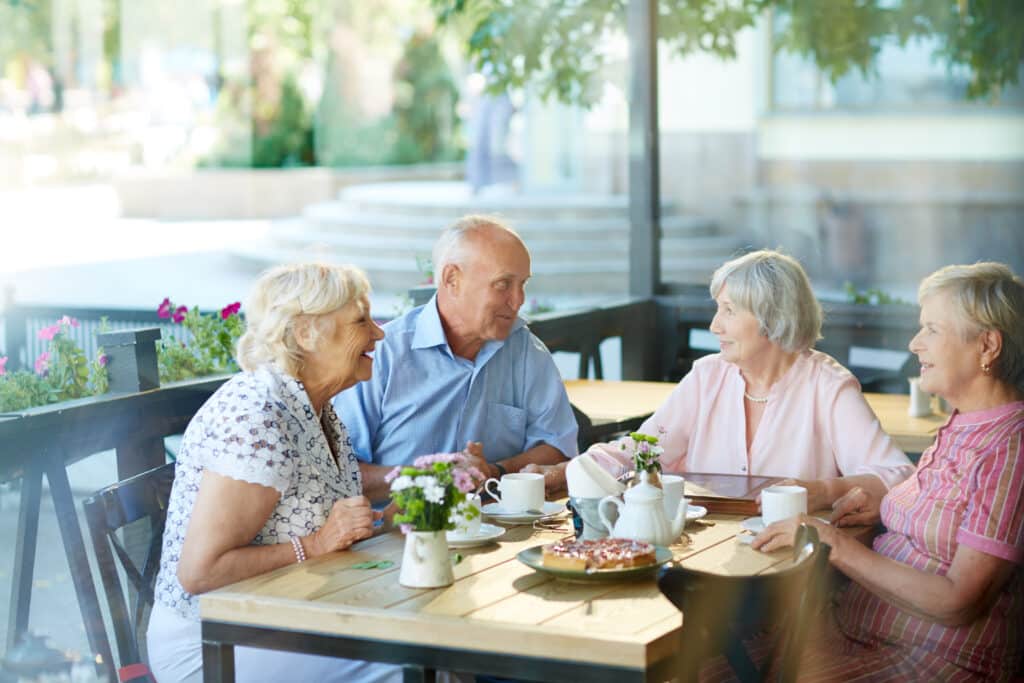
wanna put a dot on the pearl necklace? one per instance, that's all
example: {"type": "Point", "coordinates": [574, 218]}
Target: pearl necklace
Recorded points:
{"type": "Point", "coordinates": [756, 399]}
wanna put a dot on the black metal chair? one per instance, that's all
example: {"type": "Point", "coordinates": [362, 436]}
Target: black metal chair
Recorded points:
{"type": "Point", "coordinates": [130, 503]}
{"type": "Point", "coordinates": [719, 612]}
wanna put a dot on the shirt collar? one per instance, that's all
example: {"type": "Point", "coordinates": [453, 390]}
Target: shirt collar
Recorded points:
{"type": "Point", "coordinates": [430, 333]}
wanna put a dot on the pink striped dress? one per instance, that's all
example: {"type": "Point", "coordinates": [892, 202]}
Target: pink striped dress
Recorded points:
{"type": "Point", "coordinates": [968, 489]}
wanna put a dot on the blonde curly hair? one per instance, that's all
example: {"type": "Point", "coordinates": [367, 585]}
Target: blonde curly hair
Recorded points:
{"type": "Point", "coordinates": [285, 295]}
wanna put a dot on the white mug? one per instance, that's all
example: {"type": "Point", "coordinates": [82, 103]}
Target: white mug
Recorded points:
{"type": "Point", "coordinates": [520, 492]}
{"type": "Point", "coordinates": [468, 528]}
{"type": "Point", "coordinates": [920, 401]}
{"type": "Point", "coordinates": [672, 486]}
{"type": "Point", "coordinates": [782, 502]}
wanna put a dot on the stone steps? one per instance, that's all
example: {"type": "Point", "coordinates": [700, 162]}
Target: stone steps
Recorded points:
{"type": "Point", "coordinates": [579, 244]}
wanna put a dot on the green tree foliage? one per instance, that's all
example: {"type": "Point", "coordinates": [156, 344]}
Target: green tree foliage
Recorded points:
{"type": "Point", "coordinates": [557, 44]}
{"type": "Point", "coordinates": [424, 110]}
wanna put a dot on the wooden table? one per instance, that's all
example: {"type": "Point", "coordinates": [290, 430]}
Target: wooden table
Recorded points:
{"type": "Point", "coordinates": [500, 617]}
{"type": "Point", "coordinates": [618, 406]}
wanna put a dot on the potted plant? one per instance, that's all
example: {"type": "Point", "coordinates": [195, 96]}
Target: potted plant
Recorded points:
{"type": "Point", "coordinates": [428, 494]}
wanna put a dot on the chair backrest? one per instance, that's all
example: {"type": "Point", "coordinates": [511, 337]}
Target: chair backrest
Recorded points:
{"type": "Point", "coordinates": [720, 611]}
{"type": "Point", "coordinates": [585, 436]}
{"type": "Point", "coordinates": [134, 500]}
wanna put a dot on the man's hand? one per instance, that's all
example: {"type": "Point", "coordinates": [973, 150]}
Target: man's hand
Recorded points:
{"type": "Point", "coordinates": [554, 476]}
{"type": "Point", "coordinates": [475, 452]}
{"type": "Point", "coordinates": [857, 508]}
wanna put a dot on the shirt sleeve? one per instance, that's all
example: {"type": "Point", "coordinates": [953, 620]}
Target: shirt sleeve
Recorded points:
{"type": "Point", "coordinates": [247, 438]}
{"type": "Point", "coordinates": [549, 415]}
{"type": "Point", "coordinates": [359, 407]}
{"type": "Point", "coordinates": [859, 443]}
{"type": "Point", "coordinates": [994, 520]}
{"type": "Point", "coordinates": [673, 424]}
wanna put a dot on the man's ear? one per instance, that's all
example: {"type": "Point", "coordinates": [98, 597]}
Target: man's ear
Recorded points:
{"type": "Point", "coordinates": [451, 276]}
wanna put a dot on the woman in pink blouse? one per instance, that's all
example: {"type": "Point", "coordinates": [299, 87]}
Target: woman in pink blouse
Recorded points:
{"type": "Point", "coordinates": [941, 595]}
{"type": "Point", "coordinates": [769, 404]}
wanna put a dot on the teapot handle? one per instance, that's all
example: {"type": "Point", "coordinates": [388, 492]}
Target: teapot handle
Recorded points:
{"type": "Point", "coordinates": [600, 510]}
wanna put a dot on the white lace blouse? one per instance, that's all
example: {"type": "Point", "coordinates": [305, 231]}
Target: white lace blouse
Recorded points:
{"type": "Point", "coordinates": [259, 427]}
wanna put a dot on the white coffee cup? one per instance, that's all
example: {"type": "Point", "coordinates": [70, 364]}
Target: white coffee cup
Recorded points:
{"type": "Point", "coordinates": [520, 492]}
{"type": "Point", "coordinates": [782, 502]}
{"type": "Point", "coordinates": [672, 486]}
{"type": "Point", "coordinates": [468, 528]}
{"type": "Point", "coordinates": [920, 400]}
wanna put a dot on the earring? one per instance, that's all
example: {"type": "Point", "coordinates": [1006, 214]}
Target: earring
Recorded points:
{"type": "Point", "coordinates": [986, 368]}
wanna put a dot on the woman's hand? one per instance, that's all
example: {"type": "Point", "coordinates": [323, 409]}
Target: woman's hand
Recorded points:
{"type": "Point", "coordinates": [350, 520]}
{"type": "Point", "coordinates": [554, 476]}
{"type": "Point", "coordinates": [781, 534]}
{"type": "Point", "coordinates": [857, 507]}
{"type": "Point", "coordinates": [817, 493]}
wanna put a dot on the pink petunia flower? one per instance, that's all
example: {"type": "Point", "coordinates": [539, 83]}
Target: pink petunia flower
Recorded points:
{"type": "Point", "coordinates": [179, 314]}
{"type": "Point", "coordinates": [3, 365]}
{"type": "Point", "coordinates": [102, 360]}
{"type": "Point", "coordinates": [48, 333]}
{"type": "Point", "coordinates": [69, 321]}
{"type": "Point", "coordinates": [43, 363]}
{"type": "Point", "coordinates": [230, 310]}
{"type": "Point", "coordinates": [164, 309]}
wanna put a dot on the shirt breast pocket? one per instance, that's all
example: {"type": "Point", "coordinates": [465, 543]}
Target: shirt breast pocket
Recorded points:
{"type": "Point", "coordinates": [506, 431]}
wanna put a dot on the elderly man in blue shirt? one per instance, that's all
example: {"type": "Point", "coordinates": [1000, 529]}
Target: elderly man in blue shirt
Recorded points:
{"type": "Point", "coordinates": [463, 370]}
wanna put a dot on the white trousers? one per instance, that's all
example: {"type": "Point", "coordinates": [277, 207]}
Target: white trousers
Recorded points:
{"type": "Point", "coordinates": [176, 656]}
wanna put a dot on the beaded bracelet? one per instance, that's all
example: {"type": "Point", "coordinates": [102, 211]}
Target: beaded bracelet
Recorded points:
{"type": "Point", "coordinates": [300, 552]}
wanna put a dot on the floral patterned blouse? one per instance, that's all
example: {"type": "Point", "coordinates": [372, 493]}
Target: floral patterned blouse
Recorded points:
{"type": "Point", "coordinates": [260, 427]}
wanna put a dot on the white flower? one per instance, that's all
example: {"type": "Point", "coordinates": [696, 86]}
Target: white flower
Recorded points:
{"type": "Point", "coordinates": [434, 493]}
{"type": "Point", "coordinates": [403, 482]}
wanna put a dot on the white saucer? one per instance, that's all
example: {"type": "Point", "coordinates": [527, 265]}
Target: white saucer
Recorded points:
{"type": "Point", "coordinates": [695, 512]}
{"type": "Point", "coordinates": [497, 513]}
{"type": "Point", "coordinates": [487, 533]}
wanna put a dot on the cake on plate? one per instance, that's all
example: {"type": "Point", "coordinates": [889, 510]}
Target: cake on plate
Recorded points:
{"type": "Point", "coordinates": [605, 553]}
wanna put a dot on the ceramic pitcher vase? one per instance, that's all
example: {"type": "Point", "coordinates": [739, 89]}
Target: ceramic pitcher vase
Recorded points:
{"type": "Point", "coordinates": [425, 562]}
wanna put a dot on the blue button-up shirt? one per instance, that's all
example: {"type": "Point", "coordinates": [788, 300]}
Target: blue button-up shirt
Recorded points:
{"type": "Point", "coordinates": [424, 399]}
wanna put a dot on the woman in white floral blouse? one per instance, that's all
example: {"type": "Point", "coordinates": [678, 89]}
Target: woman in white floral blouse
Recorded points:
{"type": "Point", "coordinates": [266, 476]}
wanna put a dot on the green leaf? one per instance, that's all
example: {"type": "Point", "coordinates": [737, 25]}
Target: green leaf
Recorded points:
{"type": "Point", "coordinates": [374, 564]}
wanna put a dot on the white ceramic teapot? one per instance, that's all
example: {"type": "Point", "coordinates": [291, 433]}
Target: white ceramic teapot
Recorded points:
{"type": "Point", "coordinates": [642, 516]}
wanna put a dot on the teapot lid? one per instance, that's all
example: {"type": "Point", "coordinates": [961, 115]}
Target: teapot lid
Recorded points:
{"type": "Point", "coordinates": [644, 492]}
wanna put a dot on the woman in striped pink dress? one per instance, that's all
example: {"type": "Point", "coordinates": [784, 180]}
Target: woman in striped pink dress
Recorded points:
{"type": "Point", "coordinates": [941, 595]}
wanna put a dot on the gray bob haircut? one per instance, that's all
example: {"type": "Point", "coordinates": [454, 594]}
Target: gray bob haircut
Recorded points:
{"type": "Point", "coordinates": [451, 246]}
{"type": "Point", "coordinates": [986, 296]}
{"type": "Point", "coordinates": [284, 295]}
{"type": "Point", "coordinates": [775, 289]}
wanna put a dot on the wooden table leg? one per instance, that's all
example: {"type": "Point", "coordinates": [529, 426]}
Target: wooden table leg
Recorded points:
{"type": "Point", "coordinates": [24, 554]}
{"type": "Point", "coordinates": [218, 662]}
{"type": "Point", "coordinates": [78, 562]}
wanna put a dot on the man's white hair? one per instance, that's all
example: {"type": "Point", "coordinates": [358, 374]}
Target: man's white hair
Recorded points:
{"type": "Point", "coordinates": [451, 246]}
